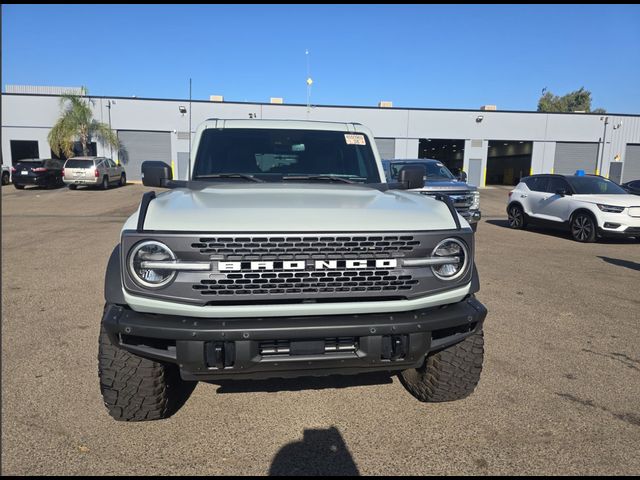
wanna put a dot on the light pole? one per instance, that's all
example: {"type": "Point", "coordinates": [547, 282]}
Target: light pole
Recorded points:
{"type": "Point", "coordinates": [189, 172]}
{"type": "Point", "coordinates": [600, 161]}
{"type": "Point", "coordinates": [109, 103]}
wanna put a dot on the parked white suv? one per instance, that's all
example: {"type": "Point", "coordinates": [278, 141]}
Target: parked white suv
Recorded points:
{"type": "Point", "coordinates": [588, 206]}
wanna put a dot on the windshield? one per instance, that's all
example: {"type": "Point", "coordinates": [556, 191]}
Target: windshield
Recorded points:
{"type": "Point", "coordinates": [434, 170]}
{"type": "Point", "coordinates": [31, 160]}
{"type": "Point", "coordinates": [275, 154]}
{"type": "Point", "coordinates": [595, 186]}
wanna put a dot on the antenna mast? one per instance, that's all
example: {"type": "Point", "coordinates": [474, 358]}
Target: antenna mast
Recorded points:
{"type": "Point", "coordinates": [309, 83]}
{"type": "Point", "coordinates": [189, 173]}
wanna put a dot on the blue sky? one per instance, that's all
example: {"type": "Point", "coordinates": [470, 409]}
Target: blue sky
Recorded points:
{"type": "Point", "coordinates": [416, 56]}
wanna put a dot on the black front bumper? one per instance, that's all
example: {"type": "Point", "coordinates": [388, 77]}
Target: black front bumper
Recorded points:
{"type": "Point", "coordinates": [209, 349]}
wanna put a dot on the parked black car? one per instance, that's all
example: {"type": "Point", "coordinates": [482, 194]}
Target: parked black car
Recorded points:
{"type": "Point", "coordinates": [42, 172]}
{"type": "Point", "coordinates": [632, 187]}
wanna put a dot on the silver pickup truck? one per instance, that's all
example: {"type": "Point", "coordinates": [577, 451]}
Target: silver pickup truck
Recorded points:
{"type": "Point", "coordinates": [286, 254]}
{"type": "Point", "coordinates": [439, 180]}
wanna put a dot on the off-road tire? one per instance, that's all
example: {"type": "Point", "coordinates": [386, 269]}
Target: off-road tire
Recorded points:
{"type": "Point", "coordinates": [123, 180]}
{"type": "Point", "coordinates": [72, 187]}
{"type": "Point", "coordinates": [19, 187]}
{"type": "Point", "coordinates": [5, 178]}
{"type": "Point", "coordinates": [136, 389]}
{"type": "Point", "coordinates": [450, 374]}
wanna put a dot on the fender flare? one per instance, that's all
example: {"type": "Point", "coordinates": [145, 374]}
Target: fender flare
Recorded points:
{"type": "Point", "coordinates": [113, 279]}
{"type": "Point", "coordinates": [475, 280]}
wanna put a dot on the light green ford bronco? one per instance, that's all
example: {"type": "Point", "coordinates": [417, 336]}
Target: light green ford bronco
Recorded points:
{"type": "Point", "coordinates": [286, 254]}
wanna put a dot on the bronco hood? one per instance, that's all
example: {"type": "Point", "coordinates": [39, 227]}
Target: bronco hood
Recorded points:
{"type": "Point", "coordinates": [277, 207]}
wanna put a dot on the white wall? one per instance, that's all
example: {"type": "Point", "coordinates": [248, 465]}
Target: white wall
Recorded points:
{"type": "Point", "coordinates": [22, 114]}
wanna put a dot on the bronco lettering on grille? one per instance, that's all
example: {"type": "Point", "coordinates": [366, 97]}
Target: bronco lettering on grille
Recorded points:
{"type": "Point", "coordinates": [303, 265]}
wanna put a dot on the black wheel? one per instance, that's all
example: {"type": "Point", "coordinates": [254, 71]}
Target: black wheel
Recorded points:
{"type": "Point", "coordinates": [450, 374]}
{"type": "Point", "coordinates": [72, 187]}
{"type": "Point", "coordinates": [123, 180]}
{"type": "Point", "coordinates": [516, 217]}
{"type": "Point", "coordinates": [583, 228]}
{"type": "Point", "coordinates": [136, 389]}
{"type": "Point", "coordinates": [5, 178]}
{"type": "Point", "coordinates": [105, 183]}
{"type": "Point", "coordinates": [19, 187]}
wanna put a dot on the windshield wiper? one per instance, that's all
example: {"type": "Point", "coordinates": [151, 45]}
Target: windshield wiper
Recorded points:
{"type": "Point", "coordinates": [231, 175]}
{"type": "Point", "coordinates": [330, 178]}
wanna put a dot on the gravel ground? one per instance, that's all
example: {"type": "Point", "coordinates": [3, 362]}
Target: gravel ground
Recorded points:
{"type": "Point", "coordinates": [559, 394]}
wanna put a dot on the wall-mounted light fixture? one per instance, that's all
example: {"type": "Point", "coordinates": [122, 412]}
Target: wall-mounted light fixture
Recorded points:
{"type": "Point", "coordinates": [479, 118]}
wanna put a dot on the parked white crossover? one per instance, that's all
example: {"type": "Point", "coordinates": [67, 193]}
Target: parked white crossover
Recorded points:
{"type": "Point", "coordinates": [589, 206]}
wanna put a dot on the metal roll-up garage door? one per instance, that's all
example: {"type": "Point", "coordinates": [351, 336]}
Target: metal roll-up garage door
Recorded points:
{"type": "Point", "coordinates": [138, 146]}
{"type": "Point", "coordinates": [386, 147]}
{"type": "Point", "coordinates": [575, 156]}
{"type": "Point", "coordinates": [631, 167]}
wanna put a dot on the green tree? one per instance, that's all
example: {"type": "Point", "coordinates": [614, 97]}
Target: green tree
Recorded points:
{"type": "Point", "coordinates": [76, 123]}
{"type": "Point", "coordinates": [576, 101]}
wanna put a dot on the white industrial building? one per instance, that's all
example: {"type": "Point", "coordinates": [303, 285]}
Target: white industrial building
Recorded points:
{"type": "Point", "coordinates": [492, 146]}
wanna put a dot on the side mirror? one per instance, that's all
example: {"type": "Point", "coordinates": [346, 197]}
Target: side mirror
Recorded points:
{"type": "Point", "coordinates": [155, 173]}
{"type": "Point", "coordinates": [462, 176]}
{"type": "Point", "coordinates": [562, 192]}
{"type": "Point", "coordinates": [412, 175]}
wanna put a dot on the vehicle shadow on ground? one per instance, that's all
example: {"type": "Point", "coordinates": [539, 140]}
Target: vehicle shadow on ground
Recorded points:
{"type": "Point", "coordinates": [321, 452]}
{"type": "Point", "coordinates": [551, 232]}
{"type": "Point", "coordinates": [38, 188]}
{"type": "Point", "coordinates": [621, 263]}
{"type": "Point", "coordinates": [303, 383]}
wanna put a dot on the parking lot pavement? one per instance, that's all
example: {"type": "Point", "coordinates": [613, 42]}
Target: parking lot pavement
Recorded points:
{"type": "Point", "coordinates": [559, 393]}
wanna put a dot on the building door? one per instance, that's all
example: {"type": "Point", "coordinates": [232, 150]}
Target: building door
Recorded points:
{"type": "Point", "coordinates": [575, 156]}
{"type": "Point", "coordinates": [21, 149]}
{"type": "Point", "coordinates": [448, 151]}
{"type": "Point", "coordinates": [474, 176]}
{"type": "Point", "coordinates": [631, 170]}
{"type": "Point", "coordinates": [508, 161]}
{"type": "Point", "coordinates": [615, 171]}
{"type": "Point", "coordinates": [386, 147]}
{"type": "Point", "coordinates": [138, 146]}
{"type": "Point", "coordinates": [183, 166]}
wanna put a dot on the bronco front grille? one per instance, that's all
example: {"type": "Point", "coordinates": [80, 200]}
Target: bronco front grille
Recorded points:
{"type": "Point", "coordinates": [258, 268]}
{"type": "Point", "coordinates": [292, 248]}
{"type": "Point", "coordinates": [263, 283]}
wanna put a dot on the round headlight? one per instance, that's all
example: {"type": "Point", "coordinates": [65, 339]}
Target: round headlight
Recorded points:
{"type": "Point", "coordinates": [150, 251]}
{"type": "Point", "coordinates": [457, 251]}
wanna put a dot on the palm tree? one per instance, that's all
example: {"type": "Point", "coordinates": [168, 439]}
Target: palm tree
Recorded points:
{"type": "Point", "coordinates": [76, 122]}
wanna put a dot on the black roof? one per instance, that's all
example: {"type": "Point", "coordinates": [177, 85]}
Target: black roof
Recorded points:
{"type": "Point", "coordinates": [563, 175]}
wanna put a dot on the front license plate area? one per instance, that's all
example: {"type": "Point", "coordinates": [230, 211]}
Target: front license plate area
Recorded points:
{"type": "Point", "coordinates": [307, 347]}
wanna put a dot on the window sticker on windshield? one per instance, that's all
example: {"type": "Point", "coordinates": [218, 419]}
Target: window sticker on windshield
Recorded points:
{"type": "Point", "coordinates": [353, 139]}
